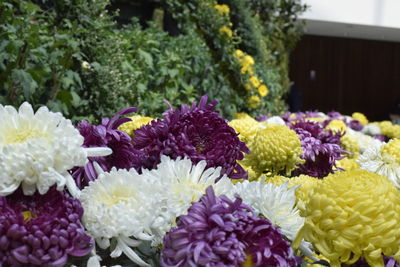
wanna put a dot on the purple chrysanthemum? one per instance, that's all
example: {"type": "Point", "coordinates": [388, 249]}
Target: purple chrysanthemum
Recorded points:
{"type": "Point", "coordinates": [355, 125]}
{"type": "Point", "coordinates": [197, 132]}
{"type": "Point", "coordinates": [41, 230]}
{"type": "Point", "coordinates": [221, 232]}
{"type": "Point", "coordinates": [124, 155]}
{"type": "Point", "coordinates": [321, 149]}
{"type": "Point", "coordinates": [296, 116]}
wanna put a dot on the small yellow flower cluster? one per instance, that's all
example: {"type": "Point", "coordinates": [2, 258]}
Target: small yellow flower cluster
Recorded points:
{"type": "Point", "coordinates": [389, 129]}
{"type": "Point", "coordinates": [226, 30]}
{"type": "Point", "coordinates": [348, 216]}
{"type": "Point", "coordinates": [136, 122]}
{"type": "Point", "coordinates": [247, 68]}
{"type": "Point", "coordinates": [360, 117]}
{"type": "Point", "coordinates": [222, 9]}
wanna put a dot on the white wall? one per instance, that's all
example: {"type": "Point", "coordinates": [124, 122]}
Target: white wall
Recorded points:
{"type": "Point", "coordinates": [384, 13]}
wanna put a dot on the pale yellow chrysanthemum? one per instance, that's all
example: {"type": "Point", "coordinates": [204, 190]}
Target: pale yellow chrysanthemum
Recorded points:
{"type": "Point", "coordinates": [276, 149]}
{"type": "Point", "coordinates": [246, 126]}
{"type": "Point", "coordinates": [348, 164]}
{"type": "Point", "coordinates": [307, 185]}
{"type": "Point", "coordinates": [348, 216]}
{"type": "Point", "coordinates": [389, 129]}
{"type": "Point", "coordinates": [336, 126]}
{"type": "Point", "coordinates": [277, 180]}
{"type": "Point", "coordinates": [222, 9]}
{"type": "Point", "coordinates": [350, 144]}
{"type": "Point", "coordinates": [136, 122]}
{"type": "Point", "coordinates": [360, 117]}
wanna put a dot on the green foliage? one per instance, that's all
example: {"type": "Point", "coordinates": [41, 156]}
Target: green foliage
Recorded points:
{"type": "Point", "coordinates": [71, 56]}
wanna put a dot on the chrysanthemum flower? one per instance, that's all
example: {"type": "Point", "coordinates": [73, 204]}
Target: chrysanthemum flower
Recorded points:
{"type": "Point", "coordinates": [364, 141]}
{"type": "Point", "coordinates": [360, 117]}
{"type": "Point", "coordinates": [246, 127]}
{"type": "Point", "coordinates": [107, 135]}
{"type": "Point", "coordinates": [197, 132]}
{"type": "Point", "coordinates": [121, 205]}
{"type": "Point", "coordinates": [136, 122]}
{"type": "Point", "coordinates": [305, 185]}
{"type": "Point", "coordinates": [348, 164]}
{"type": "Point", "coordinates": [37, 150]}
{"type": "Point", "coordinates": [389, 130]}
{"type": "Point", "coordinates": [321, 148]}
{"type": "Point", "coordinates": [277, 203]}
{"type": "Point", "coordinates": [221, 232]}
{"type": "Point", "coordinates": [383, 159]}
{"type": "Point", "coordinates": [351, 145]}
{"type": "Point", "coordinates": [41, 230]}
{"type": "Point", "coordinates": [349, 216]}
{"type": "Point", "coordinates": [275, 148]}
{"type": "Point", "coordinates": [336, 126]}
{"type": "Point", "coordinates": [182, 183]}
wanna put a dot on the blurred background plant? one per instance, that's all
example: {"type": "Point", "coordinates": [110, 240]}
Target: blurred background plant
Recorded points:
{"type": "Point", "coordinates": [88, 60]}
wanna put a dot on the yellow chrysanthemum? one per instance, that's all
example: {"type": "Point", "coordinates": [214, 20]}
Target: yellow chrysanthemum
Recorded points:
{"type": "Point", "coordinates": [252, 175]}
{"type": "Point", "coordinates": [222, 9]}
{"type": "Point", "coordinates": [247, 86]}
{"type": "Point", "coordinates": [246, 126]}
{"type": "Point", "coordinates": [392, 149]}
{"type": "Point", "coordinates": [349, 216]}
{"type": "Point", "coordinates": [263, 90]}
{"type": "Point", "coordinates": [336, 126]}
{"type": "Point", "coordinates": [246, 62]}
{"type": "Point", "coordinates": [360, 117]}
{"type": "Point", "coordinates": [136, 122]}
{"type": "Point", "coordinates": [275, 148]}
{"type": "Point", "coordinates": [226, 30]}
{"type": "Point", "coordinates": [350, 144]}
{"type": "Point", "coordinates": [389, 129]}
{"type": "Point", "coordinates": [255, 82]}
{"type": "Point", "coordinates": [276, 180]}
{"type": "Point", "coordinates": [307, 184]}
{"type": "Point", "coordinates": [348, 164]}
{"type": "Point", "coordinates": [241, 115]}
{"type": "Point", "coordinates": [253, 101]}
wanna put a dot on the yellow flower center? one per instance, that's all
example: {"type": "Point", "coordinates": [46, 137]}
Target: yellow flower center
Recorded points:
{"type": "Point", "coordinates": [27, 215]}
{"type": "Point", "coordinates": [248, 262]}
{"type": "Point", "coordinates": [21, 135]}
{"type": "Point", "coordinates": [118, 195]}
{"type": "Point", "coordinates": [393, 149]}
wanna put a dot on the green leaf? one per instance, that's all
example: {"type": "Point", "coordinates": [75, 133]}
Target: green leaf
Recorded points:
{"type": "Point", "coordinates": [25, 80]}
{"type": "Point", "coordinates": [146, 57]}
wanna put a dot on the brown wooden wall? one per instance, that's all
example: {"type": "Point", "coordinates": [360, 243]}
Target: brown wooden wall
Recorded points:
{"type": "Point", "coordinates": [350, 75]}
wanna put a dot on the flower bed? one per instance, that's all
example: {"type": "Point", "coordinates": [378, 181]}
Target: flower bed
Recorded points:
{"type": "Point", "coordinates": [193, 189]}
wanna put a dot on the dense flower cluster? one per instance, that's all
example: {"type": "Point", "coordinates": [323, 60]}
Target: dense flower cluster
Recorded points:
{"type": "Point", "coordinates": [154, 192]}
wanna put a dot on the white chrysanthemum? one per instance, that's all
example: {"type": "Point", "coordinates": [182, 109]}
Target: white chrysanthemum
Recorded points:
{"type": "Point", "coordinates": [121, 204]}
{"type": "Point", "coordinates": [364, 141]}
{"type": "Point", "coordinates": [37, 150]}
{"type": "Point", "coordinates": [371, 129]}
{"type": "Point", "coordinates": [182, 183]}
{"type": "Point", "coordinates": [277, 203]}
{"type": "Point", "coordinates": [374, 159]}
{"type": "Point", "coordinates": [275, 120]}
